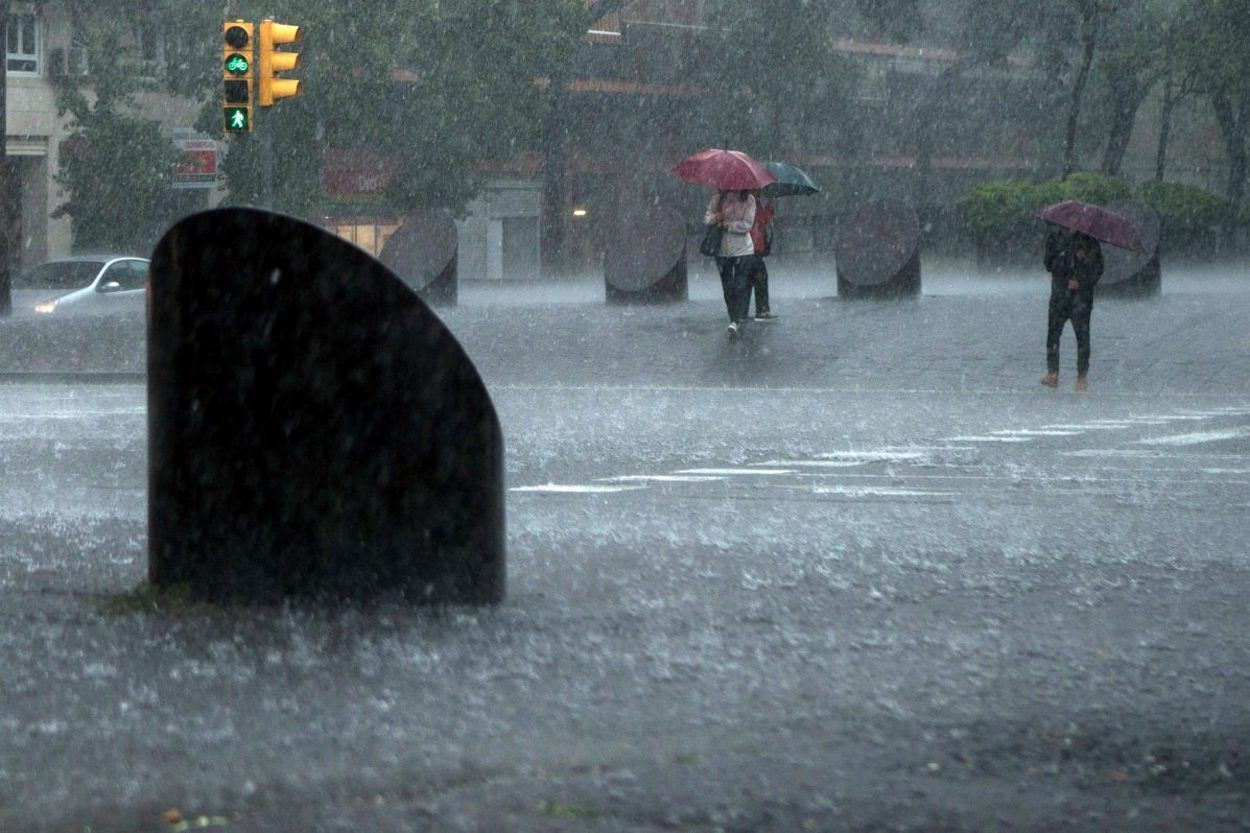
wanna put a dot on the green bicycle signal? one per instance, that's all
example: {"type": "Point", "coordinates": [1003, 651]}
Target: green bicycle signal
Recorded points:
{"type": "Point", "coordinates": [237, 64]}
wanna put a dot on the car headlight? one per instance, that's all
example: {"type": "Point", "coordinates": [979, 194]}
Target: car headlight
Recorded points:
{"type": "Point", "coordinates": [46, 306]}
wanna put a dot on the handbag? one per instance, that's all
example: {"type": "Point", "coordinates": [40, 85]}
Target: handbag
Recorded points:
{"type": "Point", "coordinates": [710, 245]}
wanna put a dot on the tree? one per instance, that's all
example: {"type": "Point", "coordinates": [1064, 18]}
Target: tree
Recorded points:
{"type": "Point", "coordinates": [1221, 62]}
{"type": "Point", "coordinates": [7, 209]}
{"type": "Point", "coordinates": [436, 86]}
{"type": "Point", "coordinates": [1131, 64]}
{"type": "Point", "coordinates": [775, 83]}
{"type": "Point", "coordinates": [115, 166]}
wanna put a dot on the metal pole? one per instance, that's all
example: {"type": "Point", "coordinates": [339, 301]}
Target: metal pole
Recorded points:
{"type": "Point", "coordinates": [6, 187]}
{"type": "Point", "coordinates": [266, 163]}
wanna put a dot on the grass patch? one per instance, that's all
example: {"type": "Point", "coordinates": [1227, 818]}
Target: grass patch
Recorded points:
{"type": "Point", "coordinates": [560, 810]}
{"type": "Point", "coordinates": [174, 600]}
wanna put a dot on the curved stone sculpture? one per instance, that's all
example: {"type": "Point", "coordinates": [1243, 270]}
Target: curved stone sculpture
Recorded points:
{"type": "Point", "coordinates": [645, 261]}
{"type": "Point", "coordinates": [1129, 273]}
{"type": "Point", "coordinates": [315, 432]}
{"type": "Point", "coordinates": [424, 253]}
{"type": "Point", "coordinates": [878, 252]}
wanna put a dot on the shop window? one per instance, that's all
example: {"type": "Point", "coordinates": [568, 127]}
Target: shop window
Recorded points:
{"type": "Point", "coordinates": [23, 42]}
{"type": "Point", "coordinates": [368, 235]}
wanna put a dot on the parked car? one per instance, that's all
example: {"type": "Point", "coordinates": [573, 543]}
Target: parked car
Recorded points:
{"type": "Point", "coordinates": [83, 284]}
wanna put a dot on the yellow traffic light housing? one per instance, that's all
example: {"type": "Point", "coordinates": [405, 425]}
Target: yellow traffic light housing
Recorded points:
{"type": "Point", "coordinates": [237, 75]}
{"type": "Point", "coordinates": [272, 61]}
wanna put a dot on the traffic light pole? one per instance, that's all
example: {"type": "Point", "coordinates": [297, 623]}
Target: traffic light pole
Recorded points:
{"type": "Point", "coordinates": [266, 164]}
{"type": "Point", "coordinates": [6, 216]}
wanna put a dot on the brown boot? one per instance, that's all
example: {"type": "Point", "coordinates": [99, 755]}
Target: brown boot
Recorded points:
{"type": "Point", "coordinates": [1051, 380]}
{"type": "Point", "coordinates": [1081, 384]}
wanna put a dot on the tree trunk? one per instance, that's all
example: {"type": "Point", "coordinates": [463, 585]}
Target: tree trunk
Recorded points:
{"type": "Point", "coordinates": [1127, 94]}
{"type": "Point", "coordinates": [1165, 128]}
{"type": "Point", "coordinates": [1232, 119]}
{"type": "Point", "coordinates": [555, 146]}
{"type": "Point", "coordinates": [6, 218]}
{"type": "Point", "coordinates": [1089, 37]}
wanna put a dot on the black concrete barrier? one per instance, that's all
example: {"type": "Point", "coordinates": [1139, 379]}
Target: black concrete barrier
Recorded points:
{"type": "Point", "coordinates": [1133, 274]}
{"type": "Point", "coordinates": [645, 261]}
{"type": "Point", "coordinates": [878, 252]}
{"type": "Point", "coordinates": [424, 253]}
{"type": "Point", "coordinates": [315, 432]}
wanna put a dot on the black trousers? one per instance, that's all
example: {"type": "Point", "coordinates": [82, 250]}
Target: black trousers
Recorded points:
{"type": "Point", "coordinates": [735, 280]}
{"type": "Point", "coordinates": [759, 283]}
{"type": "Point", "coordinates": [1074, 307]}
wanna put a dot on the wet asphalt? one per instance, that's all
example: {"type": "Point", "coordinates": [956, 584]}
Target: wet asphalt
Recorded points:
{"type": "Point", "coordinates": [854, 571]}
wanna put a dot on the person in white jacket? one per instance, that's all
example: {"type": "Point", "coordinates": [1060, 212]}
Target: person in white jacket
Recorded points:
{"type": "Point", "coordinates": [735, 212]}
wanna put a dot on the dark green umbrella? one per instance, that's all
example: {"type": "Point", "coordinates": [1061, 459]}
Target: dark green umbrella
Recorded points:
{"type": "Point", "coordinates": [791, 181]}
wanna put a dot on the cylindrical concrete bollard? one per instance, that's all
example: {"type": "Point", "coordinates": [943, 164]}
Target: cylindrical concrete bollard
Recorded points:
{"type": "Point", "coordinates": [878, 252]}
{"type": "Point", "coordinates": [1127, 273]}
{"type": "Point", "coordinates": [424, 253]}
{"type": "Point", "coordinates": [645, 260]}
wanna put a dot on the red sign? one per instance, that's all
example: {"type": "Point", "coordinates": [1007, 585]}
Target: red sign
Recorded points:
{"type": "Point", "coordinates": [201, 159]}
{"type": "Point", "coordinates": [350, 173]}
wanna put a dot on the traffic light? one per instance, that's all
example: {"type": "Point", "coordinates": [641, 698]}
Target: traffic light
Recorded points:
{"type": "Point", "coordinates": [272, 61]}
{"type": "Point", "coordinates": [237, 74]}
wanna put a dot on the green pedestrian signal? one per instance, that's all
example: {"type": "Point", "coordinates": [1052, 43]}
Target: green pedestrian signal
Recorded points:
{"type": "Point", "coordinates": [237, 120]}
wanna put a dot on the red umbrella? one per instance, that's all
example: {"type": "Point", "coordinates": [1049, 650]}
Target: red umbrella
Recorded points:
{"type": "Point", "coordinates": [1096, 221]}
{"type": "Point", "coordinates": [729, 170]}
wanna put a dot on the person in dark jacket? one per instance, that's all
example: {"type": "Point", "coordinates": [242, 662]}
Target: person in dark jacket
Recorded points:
{"type": "Point", "coordinates": [1074, 261]}
{"type": "Point", "coordinates": [760, 236]}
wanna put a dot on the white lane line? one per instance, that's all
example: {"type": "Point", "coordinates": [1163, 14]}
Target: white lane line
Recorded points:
{"type": "Point", "coordinates": [872, 456]}
{"type": "Point", "coordinates": [882, 491]}
{"type": "Point", "coordinates": [1152, 454]}
{"type": "Point", "coordinates": [1088, 426]}
{"type": "Point", "coordinates": [570, 488]}
{"type": "Point", "coordinates": [660, 478]}
{"type": "Point", "coordinates": [1035, 478]}
{"type": "Point", "coordinates": [824, 464]}
{"type": "Point", "coordinates": [1035, 432]}
{"type": "Point", "coordinates": [990, 439]}
{"type": "Point", "coordinates": [1196, 438]}
{"type": "Point", "coordinates": [733, 472]}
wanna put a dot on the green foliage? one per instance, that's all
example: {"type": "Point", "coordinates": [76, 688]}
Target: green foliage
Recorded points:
{"type": "Point", "coordinates": [1184, 207]}
{"type": "Point", "coordinates": [172, 600]}
{"type": "Point", "coordinates": [774, 82]}
{"type": "Point", "coordinates": [1095, 188]}
{"type": "Point", "coordinates": [437, 85]}
{"type": "Point", "coordinates": [1004, 207]}
{"type": "Point", "coordinates": [116, 167]}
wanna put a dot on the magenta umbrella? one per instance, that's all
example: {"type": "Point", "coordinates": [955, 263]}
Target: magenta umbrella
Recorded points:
{"type": "Point", "coordinates": [728, 170]}
{"type": "Point", "coordinates": [1096, 221]}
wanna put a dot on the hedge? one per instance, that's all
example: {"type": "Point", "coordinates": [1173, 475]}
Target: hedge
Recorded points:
{"type": "Point", "coordinates": [1004, 207]}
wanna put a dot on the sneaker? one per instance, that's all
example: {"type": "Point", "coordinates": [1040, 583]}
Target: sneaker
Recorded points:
{"type": "Point", "coordinates": [1051, 380]}
{"type": "Point", "coordinates": [734, 329]}
{"type": "Point", "coordinates": [1081, 383]}
{"type": "Point", "coordinates": [766, 316]}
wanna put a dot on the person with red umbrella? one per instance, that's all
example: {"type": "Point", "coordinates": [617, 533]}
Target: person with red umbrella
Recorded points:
{"type": "Point", "coordinates": [1074, 260]}
{"type": "Point", "coordinates": [732, 208]}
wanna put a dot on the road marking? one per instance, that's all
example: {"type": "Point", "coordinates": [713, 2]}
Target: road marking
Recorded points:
{"type": "Point", "coordinates": [1196, 438]}
{"type": "Point", "coordinates": [882, 491]}
{"type": "Point", "coordinates": [1141, 452]}
{"type": "Point", "coordinates": [990, 439]}
{"type": "Point", "coordinates": [829, 464]}
{"type": "Point", "coordinates": [661, 478]}
{"type": "Point", "coordinates": [730, 472]}
{"type": "Point", "coordinates": [1036, 432]}
{"type": "Point", "coordinates": [569, 488]}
